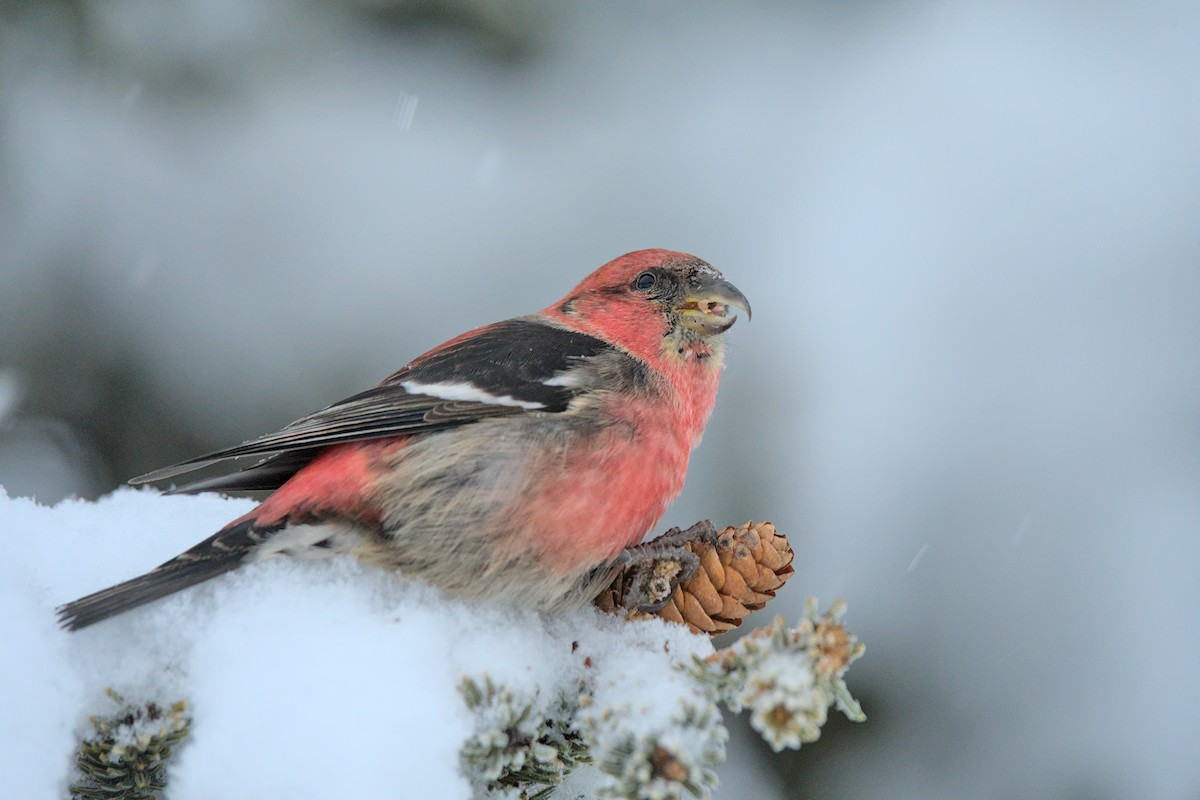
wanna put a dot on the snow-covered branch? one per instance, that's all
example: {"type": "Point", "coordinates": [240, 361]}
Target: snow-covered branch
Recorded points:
{"type": "Point", "coordinates": [317, 680]}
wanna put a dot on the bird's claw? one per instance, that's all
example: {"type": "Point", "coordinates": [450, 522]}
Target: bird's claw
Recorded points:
{"type": "Point", "coordinates": [703, 531]}
{"type": "Point", "coordinates": [652, 571]}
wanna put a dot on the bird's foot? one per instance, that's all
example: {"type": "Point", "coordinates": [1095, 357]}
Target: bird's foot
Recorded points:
{"type": "Point", "coordinates": [652, 571]}
{"type": "Point", "coordinates": [702, 531]}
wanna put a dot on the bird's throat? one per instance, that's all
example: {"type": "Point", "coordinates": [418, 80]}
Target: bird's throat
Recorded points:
{"type": "Point", "coordinates": [684, 346]}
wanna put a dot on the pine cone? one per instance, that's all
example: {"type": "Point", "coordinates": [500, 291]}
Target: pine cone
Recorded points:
{"type": "Point", "coordinates": [738, 574]}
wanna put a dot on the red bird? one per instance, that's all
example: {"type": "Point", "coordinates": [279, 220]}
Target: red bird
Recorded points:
{"type": "Point", "coordinates": [516, 461]}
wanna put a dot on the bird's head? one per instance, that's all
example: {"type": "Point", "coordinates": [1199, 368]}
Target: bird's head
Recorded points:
{"type": "Point", "coordinates": [654, 301]}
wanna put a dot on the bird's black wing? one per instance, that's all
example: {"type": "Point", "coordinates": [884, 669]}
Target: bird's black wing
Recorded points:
{"type": "Point", "coordinates": [510, 368]}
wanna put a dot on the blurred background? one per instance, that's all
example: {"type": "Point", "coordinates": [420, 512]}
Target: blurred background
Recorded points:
{"type": "Point", "coordinates": [970, 231]}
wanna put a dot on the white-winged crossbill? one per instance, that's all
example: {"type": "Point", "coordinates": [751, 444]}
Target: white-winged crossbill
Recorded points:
{"type": "Point", "coordinates": [516, 461]}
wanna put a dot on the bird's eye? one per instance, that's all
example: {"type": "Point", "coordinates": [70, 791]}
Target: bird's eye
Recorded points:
{"type": "Point", "coordinates": [645, 281]}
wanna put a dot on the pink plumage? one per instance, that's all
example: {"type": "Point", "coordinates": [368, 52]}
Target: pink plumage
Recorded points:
{"type": "Point", "coordinates": [514, 462]}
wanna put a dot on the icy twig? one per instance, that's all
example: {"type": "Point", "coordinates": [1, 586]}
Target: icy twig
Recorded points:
{"type": "Point", "coordinates": [126, 756]}
{"type": "Point", "coordinates": [787, 677]}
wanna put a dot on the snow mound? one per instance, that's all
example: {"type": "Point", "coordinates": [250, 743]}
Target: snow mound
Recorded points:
{"type": "Point", "coordinates": [303, 679]}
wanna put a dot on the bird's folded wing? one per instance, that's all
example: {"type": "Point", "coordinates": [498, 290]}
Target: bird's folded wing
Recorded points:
{"type": "Point", "coordinates": [516, 367]}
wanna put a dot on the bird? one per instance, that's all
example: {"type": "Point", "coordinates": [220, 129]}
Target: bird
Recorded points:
{"type": "Point", "coordinates": [518, 462]}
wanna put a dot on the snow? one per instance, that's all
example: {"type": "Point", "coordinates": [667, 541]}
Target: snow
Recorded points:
{"type": "Point", "coordinates": [303, 679]}
{"type": "Point", "coordinates": [42, 694]}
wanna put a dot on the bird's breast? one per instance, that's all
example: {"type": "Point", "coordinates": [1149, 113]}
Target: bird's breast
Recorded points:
{"type": "Point", "coordinates": [607, 488]}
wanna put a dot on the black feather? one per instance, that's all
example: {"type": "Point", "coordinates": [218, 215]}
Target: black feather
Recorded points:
{"type": "Point", "coordinates": [264, 476]}
{"type": "Point", "coordinates": [513, 358]}
{"type": "Point", "coordinates": [214, 556]}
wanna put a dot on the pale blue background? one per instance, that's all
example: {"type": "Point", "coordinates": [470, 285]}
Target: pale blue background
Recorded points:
{"type": "Point", "coordinates": [971, 234]}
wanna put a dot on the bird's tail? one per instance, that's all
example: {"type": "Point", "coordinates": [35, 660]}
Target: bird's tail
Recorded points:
{"type": "Point", "coordinates": [214, 556]}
